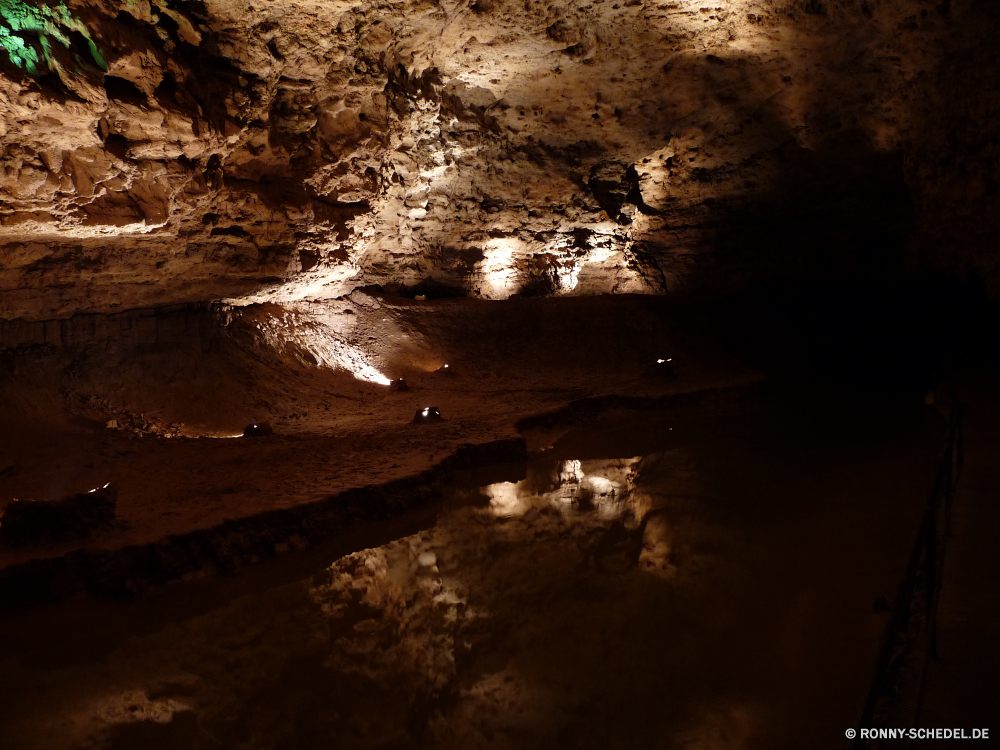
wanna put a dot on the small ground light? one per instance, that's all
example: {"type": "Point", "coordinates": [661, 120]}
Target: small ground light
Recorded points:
{"type": "Point", "coordinates": [427, 414]}
{"type": "Point", "coordinates": [261, 429]}
{"type": "Point", "coordinates": [398, 385]}
{"type": "Point", "coordinates": [661, 367]}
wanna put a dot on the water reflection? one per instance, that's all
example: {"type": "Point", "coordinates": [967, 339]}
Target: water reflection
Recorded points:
{"type": "Point", "coordinates": [712, 593]}
{"type": "Point", "coordinates": [500, 607]}
{"type": "Point", "coordinates": [583, 486]}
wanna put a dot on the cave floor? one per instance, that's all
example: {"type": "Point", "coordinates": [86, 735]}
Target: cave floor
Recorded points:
{"type": "Point", "coordinates": [650, 580]}
{"type": "Point", "coordinates": [180, 467]}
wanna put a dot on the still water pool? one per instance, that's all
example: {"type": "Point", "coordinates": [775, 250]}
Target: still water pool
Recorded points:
{"type": "Point", "coordinates": [649, 580]}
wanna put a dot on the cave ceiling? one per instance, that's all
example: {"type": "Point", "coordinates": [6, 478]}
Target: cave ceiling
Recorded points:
{"type": "Point", "coordinates": [245, 151]}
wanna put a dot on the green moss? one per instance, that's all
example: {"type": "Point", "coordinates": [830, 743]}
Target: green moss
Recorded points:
{"type": "Point", "coordinates": [28, 32]}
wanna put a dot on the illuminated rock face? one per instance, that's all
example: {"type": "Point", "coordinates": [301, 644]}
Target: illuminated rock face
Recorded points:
{"type": "Point", "coordinates": [273, 150]}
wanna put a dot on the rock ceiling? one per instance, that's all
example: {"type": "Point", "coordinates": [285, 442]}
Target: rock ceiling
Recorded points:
{"type": "Point", "coordinates": [249, 150]}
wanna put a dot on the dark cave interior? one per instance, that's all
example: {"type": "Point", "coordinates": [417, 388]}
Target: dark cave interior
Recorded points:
{"type": "Point", "coordinates": [431, 374]}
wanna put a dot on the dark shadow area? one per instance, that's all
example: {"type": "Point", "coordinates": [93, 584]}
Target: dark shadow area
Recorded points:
{"type": "Point", "coordinates": [123, 90]}
{"type": "Point", "coordinates": [238, 232]}
{"type": "Point", "coordinates": [890, 338]}
{"type": "Point", "coordinates": [429, 289]}
{"type": "Point", "coordinates": [214, 77]}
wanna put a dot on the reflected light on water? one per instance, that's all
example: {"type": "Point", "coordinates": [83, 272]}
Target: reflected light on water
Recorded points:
{"type": "Point", "coordinates": [570, 472]}
{"type": "Point", "coordinates": [599, 485]}
{"type": "Point", "coordinates": [505, 501]}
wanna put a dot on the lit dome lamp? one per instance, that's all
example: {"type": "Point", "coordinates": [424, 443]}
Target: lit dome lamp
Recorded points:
{"type": "Point", "coordinates": [398, 385]}
{"type": "Point", "coordinates": [444, 370]}
{"type": "Point", "coordinates": [662, 367]}
{"type": "Point", "coordinates": [427, 415]}
{"type": "Point", "coordinates": [260, 429]}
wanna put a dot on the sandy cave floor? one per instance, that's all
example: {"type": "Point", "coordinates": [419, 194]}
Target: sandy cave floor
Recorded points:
{"type": "Point", "coordinates": [508, 360]}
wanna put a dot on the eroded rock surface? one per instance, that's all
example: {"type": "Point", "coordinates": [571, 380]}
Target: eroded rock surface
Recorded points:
{"type": "Point", "coordinates": [167, 151]}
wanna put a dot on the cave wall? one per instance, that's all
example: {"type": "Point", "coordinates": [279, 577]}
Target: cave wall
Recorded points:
{"type": "Point", "coordinates": [176, 151]}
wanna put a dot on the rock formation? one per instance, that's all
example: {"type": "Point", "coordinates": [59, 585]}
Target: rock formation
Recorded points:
{"type": "Point", "coordinates": [175, 151]}
{"type": "Point", "coordinates": [410, 245]}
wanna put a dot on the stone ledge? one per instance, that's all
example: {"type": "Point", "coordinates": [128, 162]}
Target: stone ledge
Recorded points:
{"type": "Point", "coordinates": [121, 573]}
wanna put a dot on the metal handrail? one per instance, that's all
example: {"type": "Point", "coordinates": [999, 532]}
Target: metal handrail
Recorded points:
{"type": "Point", "coordinates": [928, 549]}
{"type": "Point", "coordinates": [954, 470]}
